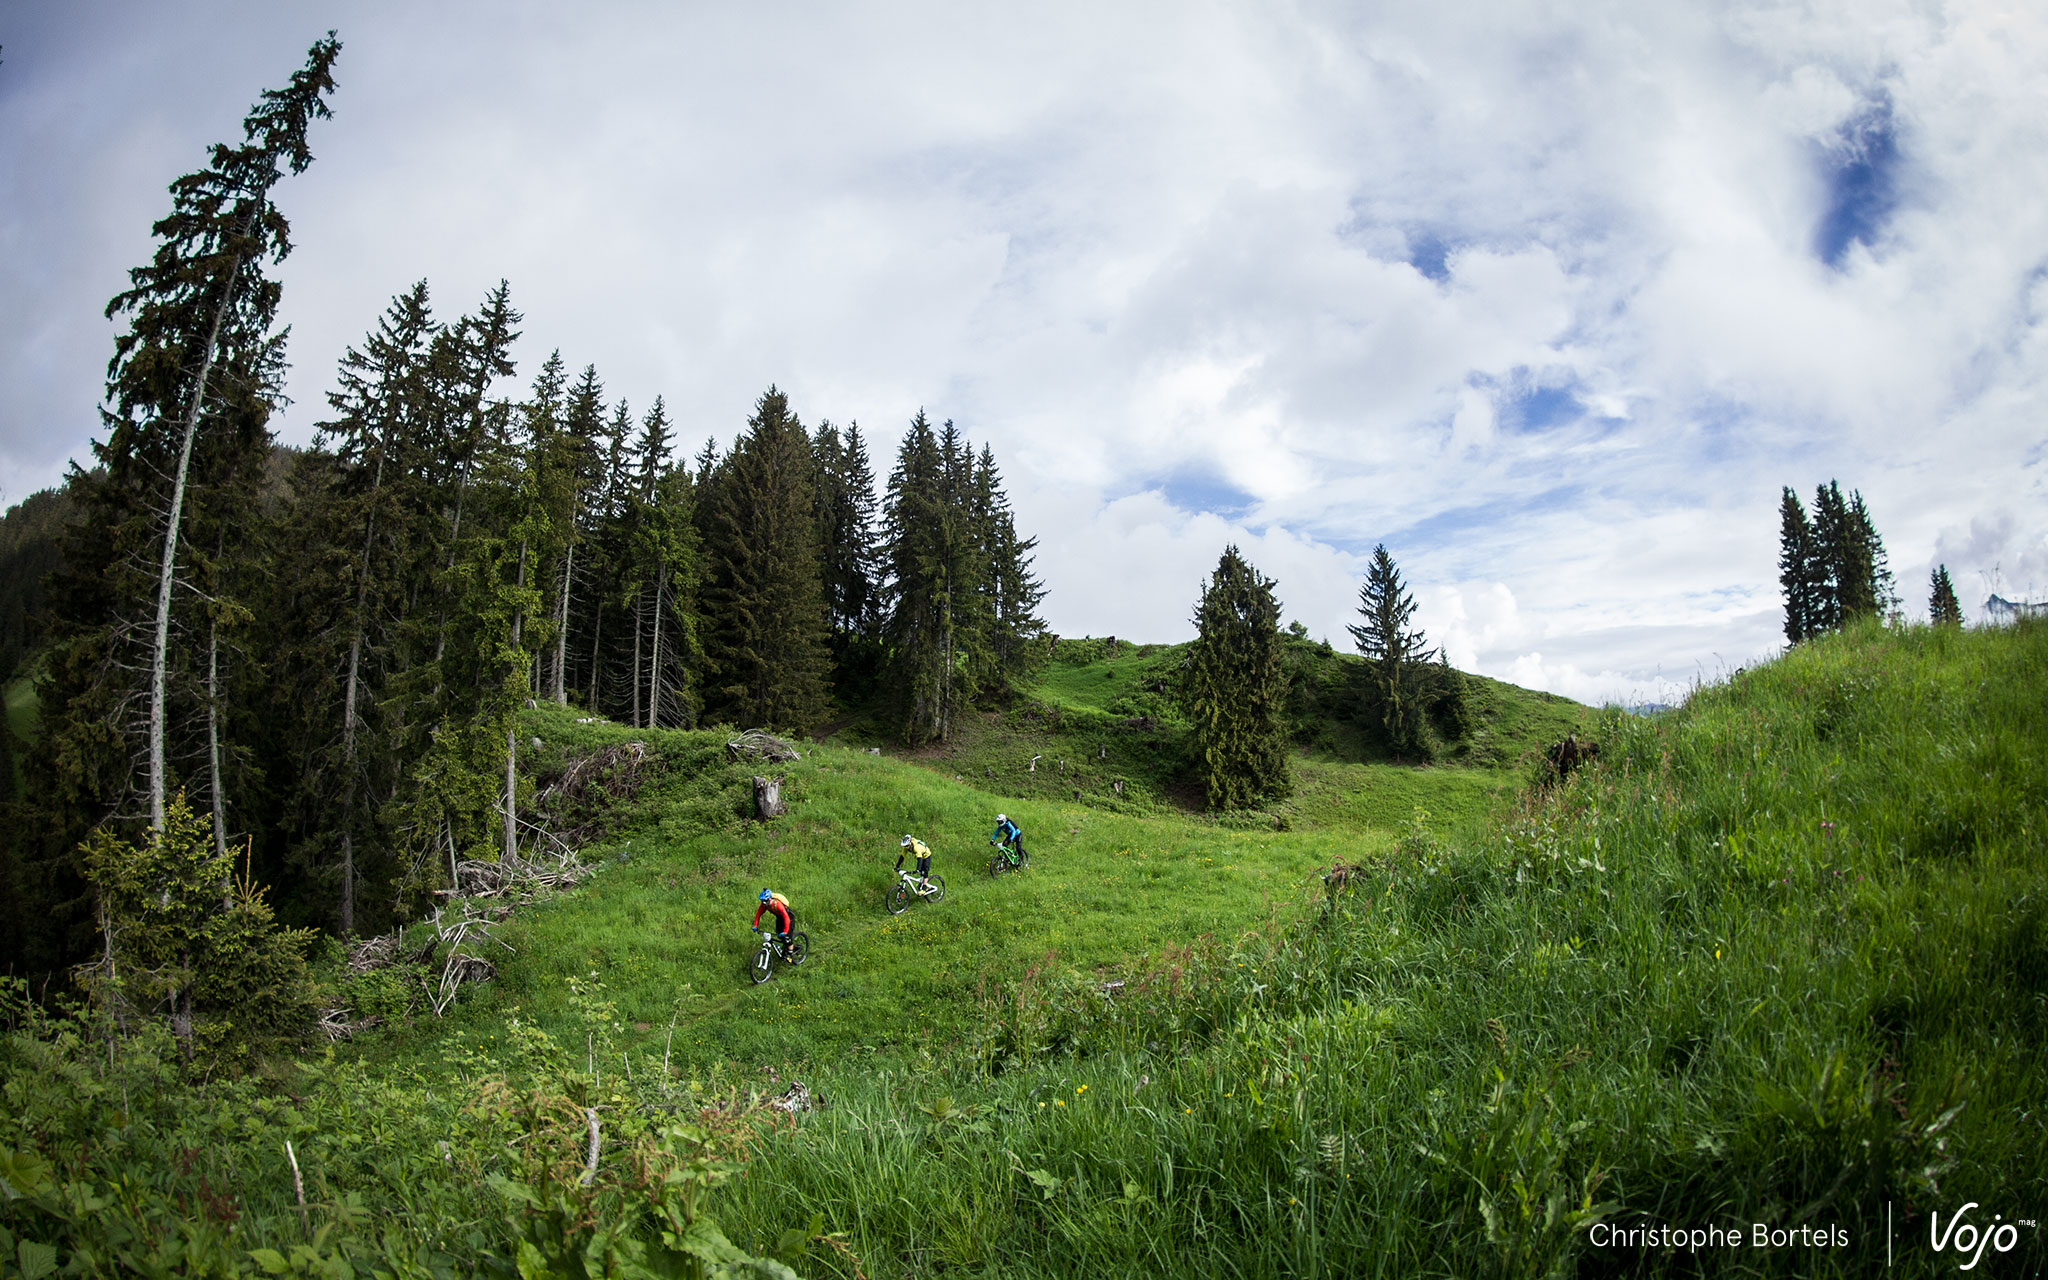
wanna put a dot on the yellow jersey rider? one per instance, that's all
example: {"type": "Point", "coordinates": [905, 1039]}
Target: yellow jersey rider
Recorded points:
{"type": "Point", "coordinates": [913, 847]}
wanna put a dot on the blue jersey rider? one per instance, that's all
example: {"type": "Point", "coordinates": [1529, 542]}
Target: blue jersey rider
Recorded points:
{"type": "Point", "coordinates": [1008, 833]}
{"type": "Point", "coordinates": [914, 848]}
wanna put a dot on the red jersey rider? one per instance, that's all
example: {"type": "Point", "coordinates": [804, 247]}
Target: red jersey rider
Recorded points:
{"type": "Point", "coordinates": [778, 904]}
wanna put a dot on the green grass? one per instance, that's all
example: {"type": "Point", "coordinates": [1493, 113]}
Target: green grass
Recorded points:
{"type": "Point", "coordinates": [1117, 877]}
{"type": "Point", "coordinates": [665, 924]}
{"type": "Point", "coordinates": [1781, 958]}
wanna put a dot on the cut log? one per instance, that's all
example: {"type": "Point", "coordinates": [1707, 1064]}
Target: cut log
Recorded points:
{"type": "Point", "coordinates": [768, 798]}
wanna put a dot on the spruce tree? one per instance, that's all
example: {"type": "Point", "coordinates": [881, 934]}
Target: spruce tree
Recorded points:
{"type": "Point", "coordinates": [1869, 566]}
{"type": "Point", "coordinates": [662, 572]}
{"type": "Point", "coordinates": [368, 505]}
{"type": "Point", "coordinates": [846, 534]}
{"type": "Point", "coordinates": [1851, 578]}
{"type": "Point", "coordinates": [764, 604]}
{"type": "Point", "coordinates": [154, 570]}
{"type": "Point", "coordinates": [1396, 655]}
{"type": "Point", "coordinates": [1942, 607]}
{"type": "Point", "coordinates": [200, 353]}
{"type": "Point", "coordinates": [609, 533]}
{"type": "Point", "coordinates": [1234, 686]}
{"type": "Point", "coordinates": [568, 462]}
{"type": "Point", "coordinates": [1012, 590]}
{"type": "Point", "coordinates": [1834, 554]}
{"type": "Point", "coordinates": [1799, 569]}
{"type": "Point", "coordinates": [932, 577]}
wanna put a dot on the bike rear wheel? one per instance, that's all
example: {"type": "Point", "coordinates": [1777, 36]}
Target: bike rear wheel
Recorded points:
{"type": "Point", "coordinates": [1019, 859]}
{"type": "Point", "coordinates": [898, 900]}
{"type": "Point", "coordinates": [938, 888]}
{"type": "Point", "coordinates": [764, 960]}
{"type": "Point", "coordinates": [799, 947]}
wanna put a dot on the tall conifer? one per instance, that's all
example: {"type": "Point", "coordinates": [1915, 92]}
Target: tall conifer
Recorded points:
{"type": "Point", "coordinates": [1942, 607]}
{"type": "Point", "coordinates": [764, 602]}
{"type": "Point", "coordinates": [1234, 687]}
{"type": "Point", "coordinates": [1396, 654]}
{"type": "Point", "coordinates": [1799, 569]}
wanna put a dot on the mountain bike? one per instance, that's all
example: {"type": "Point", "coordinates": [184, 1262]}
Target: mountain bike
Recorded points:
{"type": "Point", "coordinates": [905, 888]}
{"type": "Point", "coordinates": [1007, 857]}
{"type": "Point", "coordinates": [798, 950]}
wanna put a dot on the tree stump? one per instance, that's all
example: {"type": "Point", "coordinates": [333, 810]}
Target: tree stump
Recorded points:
{"type": "Point", "coordinates": [768, 798]}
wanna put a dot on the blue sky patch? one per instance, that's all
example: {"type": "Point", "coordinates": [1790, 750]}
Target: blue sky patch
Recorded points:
{"type": "Point", "coordinates": [1193, 491]}
{"type": "Point", "coordinates": [1540, 408]}
{"type": "Point", "coordinates": [1860, 167]}
{"type": "Point", "coordinates": [1429, 254]}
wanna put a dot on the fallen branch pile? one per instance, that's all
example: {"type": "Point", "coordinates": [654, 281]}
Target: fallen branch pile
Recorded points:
{"type": "Point", "coordinates": [761, 745]}
{"type": "Point", "coordinates": [521, 879]}
{"type": "Point", "coordinates": [576, 804]}
{"type": "Point", "coordinates": [459, 966]}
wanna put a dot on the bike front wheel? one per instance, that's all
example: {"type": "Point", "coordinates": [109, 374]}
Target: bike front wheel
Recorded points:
{"type": "Point", "coordinates": [799, 947]}
{"type": "Point", "coordinates": [764, 960]}
{"type": "Point", "coordinates": [898, 900]}
{"type": "Point", "coordinates": [998, 864]}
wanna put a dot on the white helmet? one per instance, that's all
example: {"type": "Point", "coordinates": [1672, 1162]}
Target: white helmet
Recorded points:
{"type": "Point", "coordinates": [1002, 817]}
{"type": "Point", "coordinates": [906, 842]}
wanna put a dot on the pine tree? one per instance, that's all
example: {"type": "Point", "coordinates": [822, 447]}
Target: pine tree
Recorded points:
{"type": "Point", "coordinates": [608, 535]}
{"type": "Point", "coordinates": [467, 360]}
{"type": "Point", "coordinates": [199, 352]}
{"type": "Point", "coordinates": [1234, 687]}
{"type": "Point", "coordinates": [1869, 566]}
{"type": "Point", "coordinates": [928, 559]}
{"type": "Point", "coordinates": [143, 612]}
{"type": "Point", "coordinates": [1942, 607]}
{"type": "Point", "coordinates": [1012, 590]}
{"type": "Point", "coordinates": [568, 464]}
{"type": "Point", "coordinates": [662, 572]}
{"type": "Point", "coordinates": [764, 605]}
{"type": "Point", "coordinates": [1396, 655]}
{"type": "Point", "coordinates": [1798, 568]}
{"type": "Point", "coordinates": [371, 513]}
{"type": "Point", "coordinates": [181, 941]}
{"type": "Point", "coordinates": [846, 535]}
{"type": "Point", "coordinates": [1831, 541]}
{"type": "Point", "coordinates": [1851, 579]}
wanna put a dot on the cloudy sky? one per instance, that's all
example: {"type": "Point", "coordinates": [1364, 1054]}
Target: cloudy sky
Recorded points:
{"type": "Point", "coordinates": [1552, 299]}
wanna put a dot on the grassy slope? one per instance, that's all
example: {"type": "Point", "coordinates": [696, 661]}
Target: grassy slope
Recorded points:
{"type": "Point", "coordinates": [1782, 960]}
{"type": "Point", "coordinates": [1114, 878]}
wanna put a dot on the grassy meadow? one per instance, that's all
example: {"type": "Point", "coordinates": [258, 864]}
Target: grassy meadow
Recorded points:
{"type": "Point", "coordinates": [1778, 963]}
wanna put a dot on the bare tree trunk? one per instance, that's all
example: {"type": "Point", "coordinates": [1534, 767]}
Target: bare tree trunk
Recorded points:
{"type": "Point", "coordinates": [654, 667]}
{"type": "Point", "coordinates": [512, 738]}
{"type": "Point", "coordinates": [596, 654]}
{"type": "Point", "coordinates": [562, 630]}
{"type": "Point", "coordinates": [159, 655]}
{"type": "Point", "coordinates": [639, 626]}
{"type": "Point", "coordinates": [348, 713]}
{"type": "Point", "coordinates": [216, 785]}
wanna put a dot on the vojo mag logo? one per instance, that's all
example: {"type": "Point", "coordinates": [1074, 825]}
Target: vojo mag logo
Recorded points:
{"type": "Point", "coordinates": [1961, 1238]}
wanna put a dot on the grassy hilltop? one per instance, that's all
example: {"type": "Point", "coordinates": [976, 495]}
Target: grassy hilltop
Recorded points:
{"type": "Point", "coordinates": [1779, 961]}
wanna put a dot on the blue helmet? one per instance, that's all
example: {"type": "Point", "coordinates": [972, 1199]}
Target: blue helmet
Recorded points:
{"type": "Point", "coordinates": [765, 895]}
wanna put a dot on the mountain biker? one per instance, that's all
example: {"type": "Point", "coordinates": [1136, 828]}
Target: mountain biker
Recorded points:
{"type": "Point", "coordinates": [775, 902]}
{"type": "Point", "coordinates": [916, 848]}
{"type": "Point", "coordinates": [1008, 833]}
